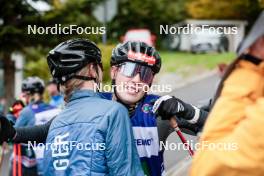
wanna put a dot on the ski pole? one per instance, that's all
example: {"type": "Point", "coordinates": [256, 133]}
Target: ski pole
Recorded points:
{"type": "Point", "coordinates": [19, 162]}
{"type": "Point", "coordinates": [173, 122]}
{"type": "Point", "coordinates": [175, 126]}
{"type": "Point", "coordinates": [14, 169]}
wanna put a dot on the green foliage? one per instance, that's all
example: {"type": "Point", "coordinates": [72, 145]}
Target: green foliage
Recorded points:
{"type": "Point", "coordinates": [15, 16]}
{"type": "Point", "coordinates": [106, 57]}
{"type": "Point", "coordinates": [18, 14]}
{"type": "Point", "coordinates": [173, 61]}
{"type": "Point", "coordinates": [262, 4]}
{"type": "Point", "coordinates": [36, 62]}
{"type": "Point", "coordinates": [148, 14]}
{"type": "Point", "coordinates": [224, 9]}
{"type": "Point", "coordinates": [72, 12]}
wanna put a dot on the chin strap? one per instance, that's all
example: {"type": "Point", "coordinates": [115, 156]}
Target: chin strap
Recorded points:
{"type": "Point", "coordinates": [85, 78]}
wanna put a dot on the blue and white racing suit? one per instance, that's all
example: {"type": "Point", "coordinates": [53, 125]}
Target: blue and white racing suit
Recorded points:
{"type": "Point", "coordinates": [145, 130]}
{"type": "Point", "coordinates": [91, 136]}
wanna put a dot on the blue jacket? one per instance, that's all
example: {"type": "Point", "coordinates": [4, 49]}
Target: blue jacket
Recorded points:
{"type": "Point", "coordinates": [92, 136]}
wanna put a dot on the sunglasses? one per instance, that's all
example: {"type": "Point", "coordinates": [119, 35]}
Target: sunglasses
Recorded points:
{"type": "Point", "coordinates": [131, 69]}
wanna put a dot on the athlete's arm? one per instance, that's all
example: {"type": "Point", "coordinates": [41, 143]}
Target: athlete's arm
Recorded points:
{"type": "Point", "coordinates": [36, 133]}
{"type": "Point", "coordinates": [8, 133]}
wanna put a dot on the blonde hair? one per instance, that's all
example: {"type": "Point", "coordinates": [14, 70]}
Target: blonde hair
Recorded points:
{"type": "Point", "coordinates": [73, 84]}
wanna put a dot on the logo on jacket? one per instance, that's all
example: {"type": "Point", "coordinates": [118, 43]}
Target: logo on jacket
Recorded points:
{"type": "Point", "coordinates": [146, 108]}
{"type": "Point", "coordinates": [60, 152]}
{"type": "Point", "coordinates": [144, 141]}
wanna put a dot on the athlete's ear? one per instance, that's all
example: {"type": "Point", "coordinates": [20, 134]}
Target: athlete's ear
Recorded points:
{"type": "Point", "coordinates": [113, 72]}
{"type": "Point", "coordinates": [91, 71]}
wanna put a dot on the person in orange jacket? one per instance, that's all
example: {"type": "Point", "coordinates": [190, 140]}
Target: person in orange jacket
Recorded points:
{"type": "Point", "coordinates": [232, 142]}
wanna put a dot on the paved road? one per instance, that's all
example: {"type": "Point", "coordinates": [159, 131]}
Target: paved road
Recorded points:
{"type": "Point", "coordinates": [197, 93]}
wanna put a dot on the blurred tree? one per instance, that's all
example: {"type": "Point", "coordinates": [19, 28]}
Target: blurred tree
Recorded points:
{"type": "Point", "coordinates": [66, 13]}
{"type": "Point", "coordinates": [16, 15]}
{"type": "Point", "coordinates": [148, 14]}
{"type": "Point", "coordinates": [224, 9]}
{"type": "Point", "coordinates": [14, 18]}
{"type": "Point", "coordinates": [262, 3]}
{"type": "Point", "coordinates": [106, 56]}
{"type": "Point", "coordinates": [36, 64]}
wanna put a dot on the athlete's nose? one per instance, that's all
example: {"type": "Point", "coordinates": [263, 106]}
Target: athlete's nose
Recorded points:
{"type": "Point", "coordinates": [136, 78]}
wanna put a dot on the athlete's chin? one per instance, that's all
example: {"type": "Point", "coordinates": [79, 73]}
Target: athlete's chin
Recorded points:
{"type": "Point", "coordinates": [131, 98]}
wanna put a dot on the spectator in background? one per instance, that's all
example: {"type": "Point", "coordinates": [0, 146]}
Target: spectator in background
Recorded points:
{"type": "Point", "coordinates": [20, 102]}
{"type": "Point", "coordinates": [37, 112]}
{"type": "Point", "coordinates": [56, 97]}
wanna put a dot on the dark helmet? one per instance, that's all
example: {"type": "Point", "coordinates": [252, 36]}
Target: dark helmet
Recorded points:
{"type": "Point", "coordinates": [33, 85]}
{"type": "Point", "coordinates": [138, 52]}
{"type": "Point", "coordinates": [71, 56]}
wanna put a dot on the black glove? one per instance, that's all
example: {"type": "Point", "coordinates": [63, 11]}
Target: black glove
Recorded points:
{"type": "Point", "coordinates": [7, 131]}
{"type": "Point", "coordinates": [169, 106]}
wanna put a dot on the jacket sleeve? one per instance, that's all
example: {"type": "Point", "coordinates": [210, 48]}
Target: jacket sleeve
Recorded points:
{"type": "Point", "coordinates": [121, 152]}
{"type": "Point", "coordinates": [36, 133]}
{"type": "Point", "coordinates": [234, 127]}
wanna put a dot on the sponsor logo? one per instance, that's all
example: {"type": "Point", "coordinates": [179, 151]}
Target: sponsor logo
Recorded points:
{"type": "Point", "coordinates": [141, 57]}
{"type": "Point", "coordinates": [146, 108]}
{"type": "Point", "coordinates": [144, 142]}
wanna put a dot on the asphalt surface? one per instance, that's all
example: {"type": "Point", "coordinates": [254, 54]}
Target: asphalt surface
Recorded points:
{"type": "Point", "coordinates": [197, 93]}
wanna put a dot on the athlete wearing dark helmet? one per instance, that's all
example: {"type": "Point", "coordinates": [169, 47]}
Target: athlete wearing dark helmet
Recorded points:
{"type": "Point", "coordinates": [33, 85]}
{"type": "Point", "coordinates": [132, 59]}
{"type": "Point", "coordinates": [69, 57]}
{"type": "Point", "coordinates": [134, 65]}
{"type": "Point", "coordinates": [87, 118]}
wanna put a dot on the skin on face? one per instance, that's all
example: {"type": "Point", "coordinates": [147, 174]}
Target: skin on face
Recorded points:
{"type": "Point", "coordinates": [129, 90]}
{"type": "Point", "coordinates": [25, 97]}
{"type": "Point", "coordinates": [52, 89]}
{"type": "Point", "coordinates": [94, 74]}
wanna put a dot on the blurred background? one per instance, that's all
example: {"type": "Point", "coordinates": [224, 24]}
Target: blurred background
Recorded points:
{"type": "Point", "coordinates": [191, 63]}
{"type": "Point", "coordinates": [22, 55]}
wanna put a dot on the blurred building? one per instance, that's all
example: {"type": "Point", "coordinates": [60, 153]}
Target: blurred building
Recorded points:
{"type": "Point", "coordinates": [234, 31]}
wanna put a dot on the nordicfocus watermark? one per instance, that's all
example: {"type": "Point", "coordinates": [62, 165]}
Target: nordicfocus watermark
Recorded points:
{"type": "Point", "coordinates": [124, 87]}
{"type": "Point", "coordinates": [192, 29]}
{"type": "Point", "coordinates": [62, 147]}
{"type": "Point", "coordinates": [204, 145]}
{"type": "Point", "coordinates": [68, 145]}
{"type": "Point", "coordinates": [59, 29]}
{"type": "Point", "coordinates": [61, 144]}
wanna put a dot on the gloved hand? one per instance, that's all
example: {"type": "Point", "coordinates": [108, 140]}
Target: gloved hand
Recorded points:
{"type": "Point", "coordinates": [7, 131]}
{"type": "Point", "coordinates": [169, 106]}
